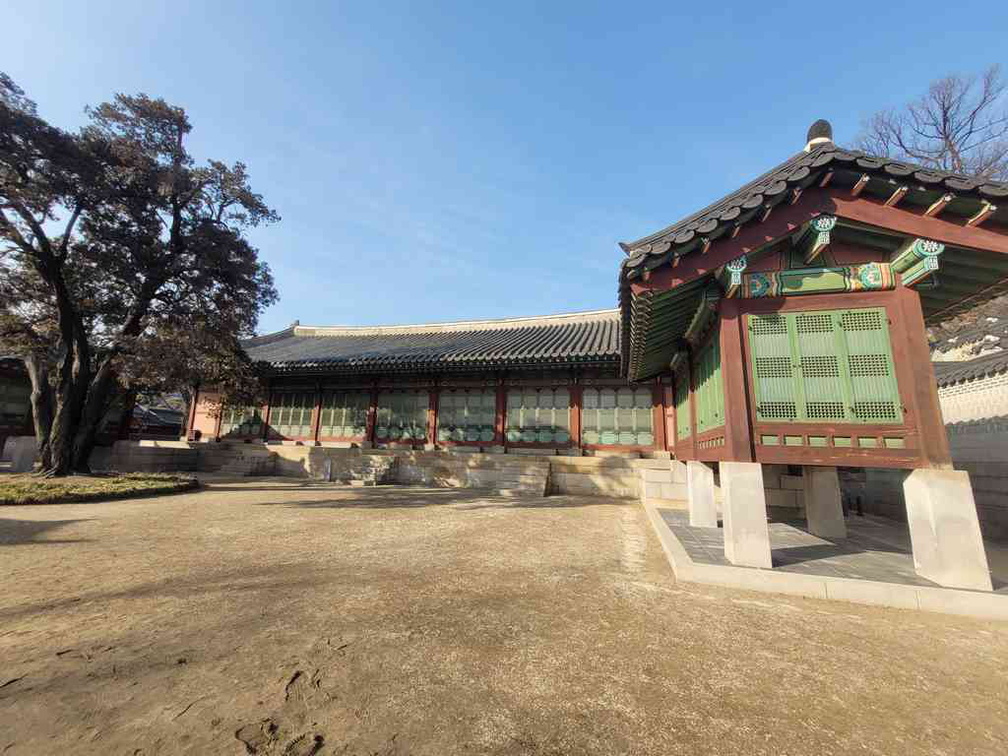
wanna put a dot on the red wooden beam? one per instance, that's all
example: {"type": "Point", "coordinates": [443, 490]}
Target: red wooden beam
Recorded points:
{"type": "Point", "coordinates": [913, 222]}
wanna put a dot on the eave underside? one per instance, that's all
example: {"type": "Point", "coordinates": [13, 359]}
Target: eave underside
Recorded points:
{"type": "Point", "coordinates": [656, 321]}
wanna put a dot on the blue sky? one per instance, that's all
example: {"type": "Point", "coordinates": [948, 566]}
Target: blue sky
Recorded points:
{"type": "Point", "coordinates": [444, 161]}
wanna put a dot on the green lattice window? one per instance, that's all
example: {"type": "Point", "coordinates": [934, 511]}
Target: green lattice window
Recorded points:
{"type": "Point", "coordinates": [291, 414]}
{"type": "Point", "coordinates": [617, 416]}
{"type": "Point", "coordinates": [402, 416]}
{"type": "Point", "coordinates": [467, 416]}
{"type": "Point", "coordinates": [682, 407]}
{"type": "Point", "coordinates": [824, 366]}
{"type": "Point", "coordinates": [243, 422]}
{"type": "Point", "coordinates": [538, 416]}
{"type": "Point", "coordinates": [709, 386]}
{"type": "Point", "coordinates": [344, 414]}
{"type": "Point", "coordinates": [15, 404]}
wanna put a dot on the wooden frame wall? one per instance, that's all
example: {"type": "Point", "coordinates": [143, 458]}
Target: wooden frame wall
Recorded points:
{"type": "Point", "coordinates": [573, 381]}
{"type": "Point", "coordinates": [921, 431]}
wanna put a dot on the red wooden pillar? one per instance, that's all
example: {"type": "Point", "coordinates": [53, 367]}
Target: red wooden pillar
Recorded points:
{"type": "Point", "coordinates": [500, 414]}
{"type": "Point", "coordinates": [576, 403]}
{"type": "Point", "coordinates": [738, 431]}
{"type": "Point", "coordinates": [658, 415]}
{"type": "Point", "coordinates": [267, 410]}
{"type": "Point", "coordinates": [372, 414]}
{"type": "Point", "coordinates": [923, 394]}
{"type": "Point", "coordinates": [692, 404]}
{"type": "Point", "coordinates": [432, 411]}
{"type": "Point", "coordinates": [316, 414]}
{"type": "Point", "coordinates": [670, 422]}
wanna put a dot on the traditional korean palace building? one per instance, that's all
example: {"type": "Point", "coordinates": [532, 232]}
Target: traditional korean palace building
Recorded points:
{"type": "Point", "coordinates": [782, 325]}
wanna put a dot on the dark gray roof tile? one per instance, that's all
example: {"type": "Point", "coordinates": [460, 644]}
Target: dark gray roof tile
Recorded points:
{"type": "Point", "coordinates": [949, 373]}
{"type": "Point", "coordinates": [575, 338]}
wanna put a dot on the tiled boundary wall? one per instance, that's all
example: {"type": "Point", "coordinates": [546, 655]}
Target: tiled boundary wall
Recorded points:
{"type": "Point", "coordinates": [976, 420]}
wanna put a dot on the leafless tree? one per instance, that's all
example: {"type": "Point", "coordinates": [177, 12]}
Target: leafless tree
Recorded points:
{"type": "Point", "coordinates": [960, 125]}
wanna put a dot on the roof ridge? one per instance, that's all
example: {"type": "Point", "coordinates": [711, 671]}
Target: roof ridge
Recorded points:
{"type": "Point", "coordinates": [451, 326]}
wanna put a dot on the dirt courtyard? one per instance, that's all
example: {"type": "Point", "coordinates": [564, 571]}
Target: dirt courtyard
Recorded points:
{"type": "Point", "coordinates": [273, 617]}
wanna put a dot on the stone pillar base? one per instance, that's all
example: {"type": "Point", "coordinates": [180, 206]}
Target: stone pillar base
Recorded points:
{"type": "Point", "coordinates": [700, 487]}
{"type": "Point", "coordinates": [823, 505]}
{"type": "Point", "coordinates": [944, 530]}
{"type": "Point", "coordinates": [746, 536]}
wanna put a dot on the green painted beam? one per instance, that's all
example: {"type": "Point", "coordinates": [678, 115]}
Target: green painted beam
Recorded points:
{"type": "Point", "coordinates": [913, 251]}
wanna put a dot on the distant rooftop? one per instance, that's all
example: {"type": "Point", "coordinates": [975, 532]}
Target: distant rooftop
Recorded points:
{"type": "Point", "coordinates": [590, 337]}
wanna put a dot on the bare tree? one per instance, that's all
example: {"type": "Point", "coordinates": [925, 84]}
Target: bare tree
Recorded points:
{"type": "Point", "coordinates": [960, 125]}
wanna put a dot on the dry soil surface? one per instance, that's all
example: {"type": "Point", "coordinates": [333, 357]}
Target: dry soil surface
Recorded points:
{"type": "Point", "coordinates": [269, 617]}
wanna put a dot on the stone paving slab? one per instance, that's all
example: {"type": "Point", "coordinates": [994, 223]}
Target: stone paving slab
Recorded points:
{"type": "Point", "coordinates": [874, 565]}
{"type": "Point", "coordinates": [873, 551]}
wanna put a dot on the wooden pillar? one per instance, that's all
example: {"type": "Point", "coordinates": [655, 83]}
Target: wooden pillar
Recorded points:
{"type": "Point", "coordinates": [658, 415]}
{"type": "Point", "coordinates": [738, 431]}
{"type": "Point", "coordinates": [923, 393]}
{"type": "Point", "coordinates": [500, 414]}
{"type": "Point", "coordinates": [372, 414]}
{"type": "Point", "coordinates": [432, 412]}
{"type": "Point", "coordinates": [670, 425]}
{"type": "Point", "coordinates": [191, 421]}
{"type": "Point", "coordinates": [576, 403]}
{"type": "Point", "coordinates": [267, 410]}
{"type": "Point", "coordinates": [673, 437]}
{"type": "Point", "coordinates": [692, 404]}
{"type": "Point", "coordinates": [316, 414]}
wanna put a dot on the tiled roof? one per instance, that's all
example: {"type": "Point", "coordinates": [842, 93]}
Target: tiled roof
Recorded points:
{"type": "Point", "coordinates": [798, 171]}
{"type": "Point", "coordinates": [982, 330]}
{"type": "Point", "coordinates": [557, 340]}
{"type": "Point", "coordinates": [949, 373]}
{"type": "Point", "coordinates": [823, 161]}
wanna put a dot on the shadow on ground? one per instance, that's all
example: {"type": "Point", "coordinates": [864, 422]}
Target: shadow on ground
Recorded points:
{"type": "Point", "coordinates": [403, 497]}
{"type": "Point", "coordinates": [18, 532]}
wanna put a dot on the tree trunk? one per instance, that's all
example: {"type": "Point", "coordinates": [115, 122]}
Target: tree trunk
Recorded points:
{"type": "Point", "coordinates": [95, 407]}
{"type": "Point", "coordinates": [71, 394]}
{"type": "Point", "coordinates": [42, 406]}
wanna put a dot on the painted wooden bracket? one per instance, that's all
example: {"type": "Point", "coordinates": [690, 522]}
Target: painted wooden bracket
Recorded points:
{"type": "Point", "coordinates": [705, 314]}
{"type": "Point", "coordinates": [916, 259]}
{"type": "Point", "coordinates": [730, 275]}
{"type": "Point", "coordinates": [938, 205]}
{"type": "Point", "coordinates": [898, 194]}
{"type": "Point", "coordinates": [677, 360]}
{"type": "Point", "coordinates": [985, 212]}
{"type": "Point", "coordinates": [816, 237]}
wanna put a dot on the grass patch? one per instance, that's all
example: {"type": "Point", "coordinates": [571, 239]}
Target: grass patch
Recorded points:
{"type": "Point", "coordinates": [27, 489]}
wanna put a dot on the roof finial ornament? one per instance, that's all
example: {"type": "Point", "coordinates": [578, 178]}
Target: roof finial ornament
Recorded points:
{"type": "Point", "coordinates": [819, 132]}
